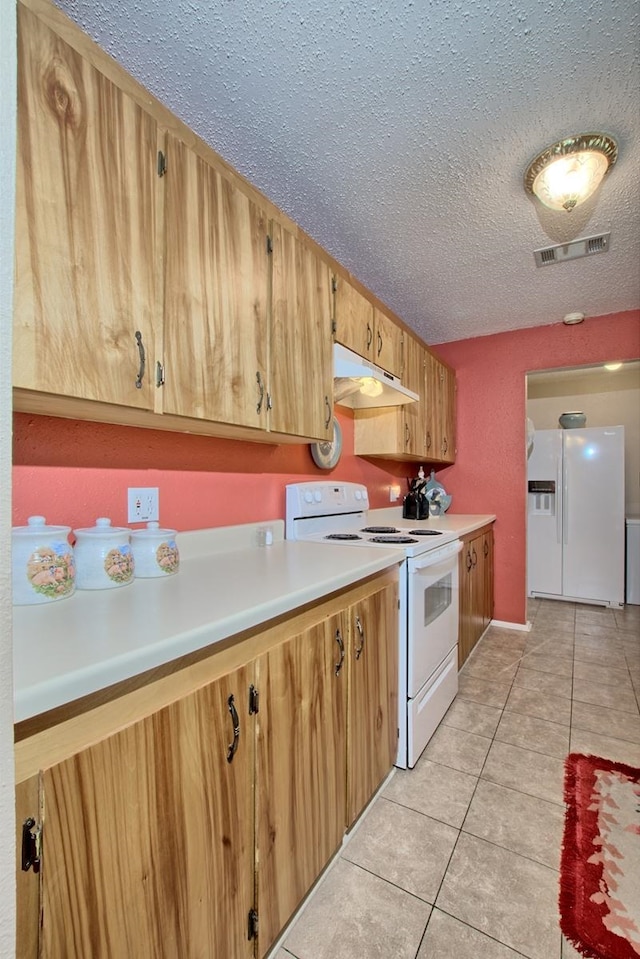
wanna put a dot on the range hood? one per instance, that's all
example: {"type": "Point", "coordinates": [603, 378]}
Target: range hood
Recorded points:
{"type": "Point", "coordinates": [362, 385]}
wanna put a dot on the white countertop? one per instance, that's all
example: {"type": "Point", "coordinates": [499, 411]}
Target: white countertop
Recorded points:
{"type": "Point", "coordinates": [460, 523]}
{"type": "Point", "coordinates": [77, 646]}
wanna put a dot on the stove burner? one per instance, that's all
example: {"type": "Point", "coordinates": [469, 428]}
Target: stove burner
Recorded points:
{"type": "Point", "coordinates": [393, 540]}
{"type": "Point", "coordinates": [348, 536]}
{"type": "Point", "coordinates": [425, 532]}
{"type": "Point", "coordinates": [380, 529]}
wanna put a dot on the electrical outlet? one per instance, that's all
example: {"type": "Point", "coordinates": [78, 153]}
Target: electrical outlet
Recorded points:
{"type": "Point", "coordinates": [394, 494]}
{"type": "Point", "coordinates": [143, 504]}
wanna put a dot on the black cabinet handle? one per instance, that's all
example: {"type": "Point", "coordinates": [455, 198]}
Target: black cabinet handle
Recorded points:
{"type": "Point", "coordinates": [475, 557]}
{"type": "Point", "coordinates": [141, 354]}
{"type": "Point", "coordinates": [328, 406]}
{"type": "Point", "coordinates": [469, 561]}
{"type": "Point", "coordinates": [428, 439]}
{"type": "Point", "coordinates": [369, 336]}
{"type": "Point", "coordinates": [231, 751]}
{"type": "Point", "coordinates": [486, 549]}
{"type": "Point", "coordinates": [260, 391]}
{"type": "Point", "coordinates": [340, 642]}
{"type": "Point", "coordinates": [379, 343]}
{"type": "Point", "coordinates": [361, 632]}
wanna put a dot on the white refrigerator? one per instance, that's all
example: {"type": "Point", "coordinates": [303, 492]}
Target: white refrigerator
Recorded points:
{"type": "Point", "coordinates": [576, 515]}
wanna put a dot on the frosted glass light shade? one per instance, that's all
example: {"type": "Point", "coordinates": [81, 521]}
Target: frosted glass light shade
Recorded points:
{"type": "Point", "coordinates": [567, 173]}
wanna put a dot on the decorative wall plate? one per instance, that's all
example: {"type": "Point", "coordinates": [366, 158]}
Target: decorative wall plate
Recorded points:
{"type": "Point", "coordinates": [327, 453]}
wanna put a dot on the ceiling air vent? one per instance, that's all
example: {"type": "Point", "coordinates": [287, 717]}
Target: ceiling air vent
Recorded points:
{"type": "Point", "coordinates": [571, 251]}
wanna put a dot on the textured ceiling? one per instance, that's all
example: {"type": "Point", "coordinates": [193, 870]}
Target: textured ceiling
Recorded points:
{"type": "Point", "coordinates": [397, 133]}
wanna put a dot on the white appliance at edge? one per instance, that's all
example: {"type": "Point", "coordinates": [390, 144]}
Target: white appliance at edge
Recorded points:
{"type": "Point", "coordinates": [576, 515]}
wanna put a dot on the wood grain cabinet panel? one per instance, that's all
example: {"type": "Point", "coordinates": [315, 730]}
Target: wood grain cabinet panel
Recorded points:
{"type": "Point", "coordinates": [476, 589]}
{"type": "Point", "coordinates": [365, 329]}
{"type": "Point", "coordinates": [440, 411]}
{"type": "Point", "coordinates": [27, 881]}
{"type": "Point", "coordinates": [148, 842]}
{"type": "Point", "coordinates": [85, 228]}
{"type": "Point", "coordinates": [215, 301]}
{"type": "Point", "coordinates": [300, 361]}
{"type": "Point", "coordinates": [373, 696]}
{"type": "Point", "coordinates": [300, 785]}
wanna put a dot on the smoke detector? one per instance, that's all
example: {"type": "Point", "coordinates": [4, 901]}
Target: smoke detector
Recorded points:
{"type": "Point", "coordinates": [572, 318]}
{"type": "Point", "coordinates": [586, 246]}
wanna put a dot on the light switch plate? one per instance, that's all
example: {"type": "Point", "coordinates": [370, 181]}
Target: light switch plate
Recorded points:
{"type": "Point", "coordinates": [143, 504]}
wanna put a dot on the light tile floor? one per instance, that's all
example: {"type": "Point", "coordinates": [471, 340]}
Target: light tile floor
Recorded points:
{"type": "Point", "coordinates": [458, 858]}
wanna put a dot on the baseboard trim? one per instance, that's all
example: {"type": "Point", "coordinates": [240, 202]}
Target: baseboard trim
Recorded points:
{"type": "Point", "coordinates": [501, 624]}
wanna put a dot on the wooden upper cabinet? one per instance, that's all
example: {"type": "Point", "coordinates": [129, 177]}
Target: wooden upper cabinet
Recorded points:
{"type": "Point", "coordinates": [85, 228]}
{"type": "Point", "coordinates": [215, 297]}
{"type": "Point", "coordinates": [149, 836]}
{"type": "Point", "coordinates": [300, 360]}
{"type": "Point", "coordinates": [388, 343]}
{"type": "Point", "coordinates": [414, 414]}
{"type": "Point", "coordinates": [365, 329]}
{"type": "Point", "coordinates": [441, 406]}
{"type": "Point", "coordinates": [353, 318]}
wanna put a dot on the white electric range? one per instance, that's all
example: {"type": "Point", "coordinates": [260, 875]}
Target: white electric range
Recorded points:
{"type": "Point", "coordinates": [337, 513]}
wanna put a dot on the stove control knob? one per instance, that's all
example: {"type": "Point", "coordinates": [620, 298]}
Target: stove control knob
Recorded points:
{"type": "Point", "coordinates": [358, 494]}
{"type": "Point", "coordinates": [317, 496]}
{"type": "Point", "coordinates": [308, 497]}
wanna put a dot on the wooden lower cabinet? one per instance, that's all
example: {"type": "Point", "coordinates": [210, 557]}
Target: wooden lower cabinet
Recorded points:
{"type": "Point", "coordinates": [171, 815]}
{"type": "Point", "coordinates": [300, 791]}
{"type": "Point", "coordinates": [147, 837]}
{"type": "Point", "coordinates": [476, 589]}
{"type": "Point", "coordinates": [373, 697]}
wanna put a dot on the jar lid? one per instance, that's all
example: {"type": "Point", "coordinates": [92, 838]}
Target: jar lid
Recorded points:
{"type": "Point", "coordinates": [153, 530]}
{"type": "Point", "coordinates": [38, 525]}
{"type": "Point", "coordinates": [103, 527]}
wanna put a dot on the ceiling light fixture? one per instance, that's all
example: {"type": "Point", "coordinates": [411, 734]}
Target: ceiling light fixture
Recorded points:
{"type": "Point", "coordinates": [571, 319]}
{"type": "Point", "coordinates": [568, 172]}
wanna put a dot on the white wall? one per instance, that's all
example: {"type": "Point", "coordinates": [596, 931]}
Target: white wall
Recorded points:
{"type": "Point", "coordinates": [7, 177]}
{"type": "Point", "coordinates": [607, 408]}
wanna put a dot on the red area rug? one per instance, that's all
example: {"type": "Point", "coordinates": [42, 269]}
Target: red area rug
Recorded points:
{"type": "Point", "coordinates": [600, 864]}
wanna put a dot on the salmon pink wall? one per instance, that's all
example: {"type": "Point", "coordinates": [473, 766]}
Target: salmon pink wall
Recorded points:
{"type": "Point", "coordinates": [71, 472]}
{"type": "Point", "coordinates": [489, 474]}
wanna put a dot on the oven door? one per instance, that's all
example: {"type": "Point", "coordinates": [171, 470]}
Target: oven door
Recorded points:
{"type": "Point", "coordinates": [432, 612]}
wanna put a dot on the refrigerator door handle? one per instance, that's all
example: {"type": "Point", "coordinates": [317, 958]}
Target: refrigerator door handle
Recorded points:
{"type": "Point", "coordinates": [559, 498]}
{"type": "Point", "coordinates": [565, 501]}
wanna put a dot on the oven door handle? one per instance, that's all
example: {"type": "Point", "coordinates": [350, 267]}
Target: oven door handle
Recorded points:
{"type": "Point", "coordinates": [436, 557]}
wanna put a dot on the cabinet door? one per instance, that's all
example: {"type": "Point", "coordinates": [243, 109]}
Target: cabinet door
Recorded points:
{"type": "Point", "coordinates": [85, 228]}
{"type": "Point", "coordinates": [387, 344]}
{"type": "Point", "coordinates": [27, 882]}
{"type": "Point", "coordinates": [413, 414]}
{"type": "Point", "coordinates": [216, 284]}
{"type": "Point", "coordinates": [300, 789]}
{"type": "Point", "coordinates": [300, 361]}
{"type": "Point", "coordinates": [353, 318]}
{"type": "Point", "coordinates": [373, 696]}
{"type": "Point", "coordinates": [440, 411]}
{"type": "Point", "coordinates": [148, 837]}
{"type": "Point", "coordinates": [466, 624]}
{"type": "Point", "coordinates": [448, 414]}
{"type": "Point", "coordinates": [487, 556]}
